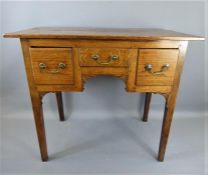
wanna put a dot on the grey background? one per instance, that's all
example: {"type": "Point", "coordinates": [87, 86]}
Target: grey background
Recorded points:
{"type": "Point", "coordinates": [103, 133]}
{"type": "Point", "coordinates": [103, 94]}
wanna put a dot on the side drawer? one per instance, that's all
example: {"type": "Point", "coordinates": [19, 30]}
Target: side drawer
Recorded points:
{"type": "Point", "coordinates": [112, 57]}
{"type": "Point", "coordinates": [52, 65]}
{"type": "Point", "coordinates": [156, 67]}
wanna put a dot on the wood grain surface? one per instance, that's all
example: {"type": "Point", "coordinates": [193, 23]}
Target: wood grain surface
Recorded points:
{"type": "Point", "coordinates": [157, 58]}
{"type": "Point", "coordinates": [102, 33]}
{"type": "Point", "coordinates": [51, 57]}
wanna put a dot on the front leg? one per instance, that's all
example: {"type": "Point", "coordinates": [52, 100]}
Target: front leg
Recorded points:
{"type": "Point", "coordinates": [167, 120]}
{"type": "Point", "coordinates": [171, 101]}
{"type": "Point", "coordinates": [36, 99]}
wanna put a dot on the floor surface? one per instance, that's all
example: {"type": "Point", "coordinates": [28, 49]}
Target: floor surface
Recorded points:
{"type": "Point", "coordinates": [115, 145]}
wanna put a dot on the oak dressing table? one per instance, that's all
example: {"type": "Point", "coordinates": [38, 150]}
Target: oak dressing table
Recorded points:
{"type": "Point", "coordinates": [61, 59]}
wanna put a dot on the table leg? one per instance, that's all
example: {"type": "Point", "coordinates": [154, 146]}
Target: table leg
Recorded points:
{"type": "Point", "coordinates": [170, 102]}
{"type": "Point", "coordinates": [167, 120]}
{"type": "Point", "coordinates": [148, 97]}
{"type": "Point", "coordinates": [39, 123]}
{"type": "Point", "coordinates": [60, 105]}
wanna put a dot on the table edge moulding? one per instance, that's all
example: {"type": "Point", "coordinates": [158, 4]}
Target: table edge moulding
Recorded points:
{"type": "Point", "coordinates": [61, 59]}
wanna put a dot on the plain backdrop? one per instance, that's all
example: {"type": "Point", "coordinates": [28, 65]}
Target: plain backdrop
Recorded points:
{"type": "Point", "coordinates": [103, 94]}
{"type": "Point", "coordinates": [103, 97]}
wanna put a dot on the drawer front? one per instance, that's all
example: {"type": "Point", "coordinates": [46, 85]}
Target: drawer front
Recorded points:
{"type": "Point", "coordinates": [52, 65]}
{"type": "Point", "coordinates": [104, 57]}
{"type": "Point", "coordinates": [156, 66]}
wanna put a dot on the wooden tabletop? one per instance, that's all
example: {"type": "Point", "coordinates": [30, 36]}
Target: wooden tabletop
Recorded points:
{"type": "Point", "coordinates": [102, 33]}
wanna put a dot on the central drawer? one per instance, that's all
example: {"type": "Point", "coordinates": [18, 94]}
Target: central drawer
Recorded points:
{"type": "Point", "coordinates": [111, 57]}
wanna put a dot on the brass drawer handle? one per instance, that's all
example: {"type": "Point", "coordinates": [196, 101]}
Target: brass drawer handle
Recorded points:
{"type": "Point", "coordinates": [60, 66]}
{"type": "Point", "coordinates": [111, 60]}
{"type": "Point", "coordinates": [149, 67]}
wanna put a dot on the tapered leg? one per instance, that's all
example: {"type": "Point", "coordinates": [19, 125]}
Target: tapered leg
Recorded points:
{"type": "Point", "coordinates": [60, 105]}
{"type": "Point", "coordinates": [147, 106]}
{"type": "Point", "coordinates": [39, 123]}
{"type": "Point", "coordinates": [167, 120]}
{"type": "Point", "coordinates": [170, 102]}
